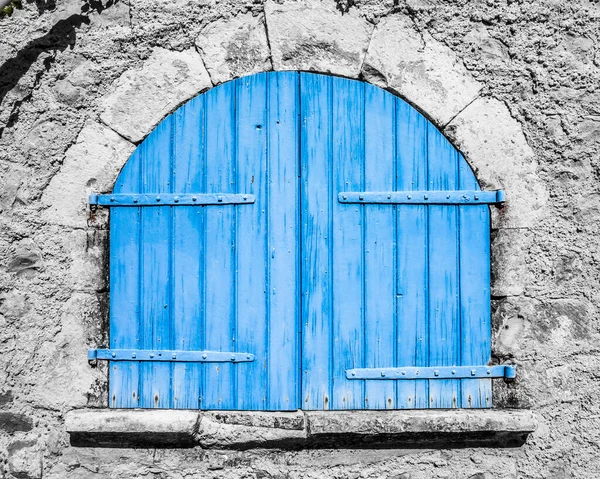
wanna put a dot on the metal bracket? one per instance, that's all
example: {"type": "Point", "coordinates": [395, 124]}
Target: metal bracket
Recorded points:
{"type": "Point", "coordinates": [459, 197]}
{"type": "Point", "coordinates": [505, 371]}
{"type": "Point", "coordinates": [168, 355]}
{"type": "Point", "coordinates": [172, 199]}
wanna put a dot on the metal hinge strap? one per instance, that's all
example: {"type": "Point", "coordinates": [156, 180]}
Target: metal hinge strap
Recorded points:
{"type": "Point", "coordinates": [168, 355]}
{"type": "Point", "coordinates": [459, 197]}
{"type": "Point", "coordinates": [172, 199]}
{"type": "Point", "coordinates": [506, 371]}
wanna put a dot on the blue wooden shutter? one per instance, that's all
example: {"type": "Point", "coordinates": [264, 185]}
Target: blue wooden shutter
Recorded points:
{"type": "Point", "coordinates": [285, 265]}
{"type": "Point", "coordinates": [387, 285]}
{"type": "Point", "coordinates": [211, 278]}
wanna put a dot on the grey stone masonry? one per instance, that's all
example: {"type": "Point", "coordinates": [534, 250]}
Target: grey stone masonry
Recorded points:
{"type": "Point", "coordinates": [246, 429]}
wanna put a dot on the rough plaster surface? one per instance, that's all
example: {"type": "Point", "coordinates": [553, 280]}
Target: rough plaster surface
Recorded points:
{"type": "Point", "coordinates": [532, 129]}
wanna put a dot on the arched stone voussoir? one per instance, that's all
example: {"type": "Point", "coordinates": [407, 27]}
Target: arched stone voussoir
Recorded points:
{"type": "Point", "coordinates": [420, 69]}
{"type": "Point", "coordinates": [314, 36]}
{"type": "Point", "coordinates": [234, 47]}
{"type": "Point", "coordinates": [91, 164]}
{"type": "Point", "coordinates": [493, 143]}
{"type": "Point", "coordinates": [143, 96]}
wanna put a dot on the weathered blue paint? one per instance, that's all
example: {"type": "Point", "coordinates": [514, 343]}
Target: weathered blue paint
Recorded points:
{"type": "Point", "coordinates": [177, 199]}
{"type": "Point", "coordinates": [443, 372]}
{"type": "Point", "coordinates": [283, 263]}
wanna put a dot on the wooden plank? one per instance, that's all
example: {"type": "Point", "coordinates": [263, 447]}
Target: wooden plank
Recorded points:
{"type": "Point", "coordinates": [346, 245]}
{"type": "Point", "coordinates": [317, 197]}
{"type": "Point", "coordinates": [155, 238]}
{"type": "Point", "coordinates": [475, 311]}
{"type": "Point", "coordinates": [188, 252]}
{"type": "Point", "coordinates": [380, 239]}
{"type": "Point", "coordinates": [412, 267]}
{"type": "Point", "coordinates": [443, 243]}
{"type": "Point", "coordinates": [251, 249]}
{"type": "Point", "coordinates": [125, 290]}
{"type": "Point", "coordinates": [284, 361]}
{"type": "Point", "coordinates": [220, 244]}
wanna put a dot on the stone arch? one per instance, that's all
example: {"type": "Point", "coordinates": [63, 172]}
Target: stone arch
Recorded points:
{"type": "Point", "coordinates": [307, 36]}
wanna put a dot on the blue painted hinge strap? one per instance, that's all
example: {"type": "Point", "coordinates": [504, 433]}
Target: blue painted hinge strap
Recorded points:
{"type": "Point", "coordinates": [168, 355]}
{"type": "Point", "coordinates": [506, 371]}
{"type": "Point", "coordinates": [459, 197]}
{"type": "Point", "coordinates": [172, 199]}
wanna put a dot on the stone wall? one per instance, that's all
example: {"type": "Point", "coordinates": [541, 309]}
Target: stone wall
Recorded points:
{"type": "Point", "coordinates": [515, 86]}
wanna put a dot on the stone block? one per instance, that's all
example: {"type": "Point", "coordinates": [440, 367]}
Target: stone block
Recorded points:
{"type": "Point", "coordinates": [234, 47]}
{"type": "Point", "coordinates": [25, 460]}
{"type": "Point", "coordinates": [66, 378]}
{"type": "Point", "coordinates": [426, 427]}
{"type": "Point", "coordinates": [315, 36]}
{"type": "Point", "coordinates": [123, 427]}
{"type": "Point", "coordinates": [91, 164]}
{"type": "Point", "coordinates": [262, 429]}
{"type": "Point", "coordinates": [493, 143]}
{"type": "Point", "coordinates": [420, 69]}
{"type": "Point", "coordinates": [511, 274]}
{"type": "Point", "coordinates": [233, 429]}
{"type": "Point", "coordinates": [142, 97]}
{"type": "Point", "coordinates": [11, 422]}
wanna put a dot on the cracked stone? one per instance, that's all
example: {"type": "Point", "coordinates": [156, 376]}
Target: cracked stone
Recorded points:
{"type": "Point", "coordinates": [314, 36]}
{"type": "Point", "coordinates": [235, 47]}
{"type": "Point", "coordinates": [417, 67]}
{"type": "Point", "coordinates": [491, 139]}
{"type": "Point", "coordinates": [141, 98]}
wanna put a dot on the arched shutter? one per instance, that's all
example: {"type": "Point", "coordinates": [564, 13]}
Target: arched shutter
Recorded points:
{"type": "Point", "coordinates": [290, 241]}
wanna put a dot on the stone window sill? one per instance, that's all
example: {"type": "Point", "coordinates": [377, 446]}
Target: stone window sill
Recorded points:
{"type": "Point", "coordinates": [297, 429]}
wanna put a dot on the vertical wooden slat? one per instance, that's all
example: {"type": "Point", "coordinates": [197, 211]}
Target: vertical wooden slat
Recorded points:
{"type": "Point", "coordinates": [188, 252]}
{"type": "Point", "coordinates": [379, 230]}
{"type": "Point", "coordinates": [124, 290]}
{"type": "Point", "coordinates": [346, 245]}
{"type": "Point", "coordinates": [251, 248]}
{"type": "Point", "coordinates": [284, 247]}
{"type": "Point", "coordinates": [443, 242]}
{"type": "Point", "coordinates": [220, 278]}
{"type": "Point", "coordinates": [412, 271]}
{"type": "Point", "coordinates": [156, 239]}
{"type": "Point", "coordinates": [474, 292]}
{"type": "Point", "coordinates": [315, 100]}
